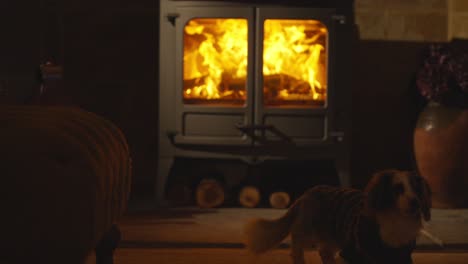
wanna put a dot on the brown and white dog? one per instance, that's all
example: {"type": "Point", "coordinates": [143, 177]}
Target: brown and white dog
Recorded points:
{"type": "Point", "coordinates": [377, 225]}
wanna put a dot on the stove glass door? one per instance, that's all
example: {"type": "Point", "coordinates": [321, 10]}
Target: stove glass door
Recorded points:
{"type": "Point", "coordinates": [214, 79]}
{"type": "Point", "coordinates": [215, 61]}
{"type": "Point", "coordinates": [294, 62]}
{"type": "Point", "coordinates": [294, 74]}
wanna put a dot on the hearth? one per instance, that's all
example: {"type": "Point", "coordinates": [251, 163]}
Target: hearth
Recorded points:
{"type": "Point", "coordinates": [254, 82]}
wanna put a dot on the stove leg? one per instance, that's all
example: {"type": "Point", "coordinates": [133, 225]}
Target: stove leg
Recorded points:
{"type": "Point", "coordinates": [164, 168]}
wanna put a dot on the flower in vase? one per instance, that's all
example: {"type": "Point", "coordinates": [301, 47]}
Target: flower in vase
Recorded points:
{"type": "Point", "coordinates": [443, 78]}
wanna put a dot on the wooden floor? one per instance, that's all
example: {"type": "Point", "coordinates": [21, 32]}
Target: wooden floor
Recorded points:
{"type": "Point", "coordinates": [238, 256]}
{"type": "Point", "coordinates": [224, 226]}
{"type": "Point", "coordinates": [169, 237]}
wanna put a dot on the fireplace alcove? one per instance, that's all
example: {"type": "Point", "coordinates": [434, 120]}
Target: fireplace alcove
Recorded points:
{"type": "Point", "coordinates": [243, 83]}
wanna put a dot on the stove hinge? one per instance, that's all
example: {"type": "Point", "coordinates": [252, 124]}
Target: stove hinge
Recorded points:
{"type": "Point", "coordinates": [340, 18]}
{"type": "Point", "coordinates": [337, 135]}
{"type": "Point", "coordinates": [171, 17]}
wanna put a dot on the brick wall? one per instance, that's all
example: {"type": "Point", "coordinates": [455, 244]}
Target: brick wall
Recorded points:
{"type": "Point", "coordinates": [412, 20]}
{"type": "Point", "coordinates": [459, 19]}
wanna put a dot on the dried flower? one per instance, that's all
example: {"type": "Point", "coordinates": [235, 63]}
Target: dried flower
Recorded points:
{"type": "Point", "coordinates": [444, 76]}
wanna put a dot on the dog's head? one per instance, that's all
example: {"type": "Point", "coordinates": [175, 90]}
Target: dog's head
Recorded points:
{"type": "Point", "coordinates": [404, 191]}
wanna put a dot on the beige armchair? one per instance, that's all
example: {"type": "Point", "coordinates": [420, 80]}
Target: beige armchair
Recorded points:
{"type": "Point", "coordinates": [65, 180]}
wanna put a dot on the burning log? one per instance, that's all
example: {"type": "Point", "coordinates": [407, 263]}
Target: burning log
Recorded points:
{"type": "Point", "coordinates": [232, 85]}
{"type": "Point", "coordinates": [209, 193]}
{"type": "Point", "coordinates": [230, 88]}
{"type": "Point", "coordinates": [191, 83]}
{"type": "Point", "coordinates": [280, 200]}
{"type": "Point", "coordinates": [276, 82]}
{"type": "Point", "coordinates": [249, 196]}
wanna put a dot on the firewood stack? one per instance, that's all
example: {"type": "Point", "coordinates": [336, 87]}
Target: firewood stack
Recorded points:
{"type": "Point", "coordinates": [249, 196]}
{"type": "Point", "coordinates": [210, 193]}
{"type": "Point", "coordinates": [280, 200]}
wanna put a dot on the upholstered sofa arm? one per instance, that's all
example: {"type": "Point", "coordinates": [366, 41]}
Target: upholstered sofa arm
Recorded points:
{"type": "Point", "coordinates": [65, 180]}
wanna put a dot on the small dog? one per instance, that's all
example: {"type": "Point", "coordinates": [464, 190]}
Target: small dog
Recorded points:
{"type": "Point", "coordinates": [378, 225]}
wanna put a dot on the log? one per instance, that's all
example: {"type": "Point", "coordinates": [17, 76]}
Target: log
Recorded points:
{"type": "Point", "coordinates": [209, 193]}
{"type": "Point", "coordinates": [232, 84]}
{"type": "Point", "coordinates": [191, 83]}
{"type": "Point", "coordinates": [280, 200]}
{"type": "Point", "coordinates": [231, 88]}
{"type": "Point", "coordinates": [249, 196]}
{"type": "Point", "coordinates": [278, 82]}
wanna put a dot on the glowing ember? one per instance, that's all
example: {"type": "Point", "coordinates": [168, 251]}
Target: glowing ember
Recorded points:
{"type": "Point", "coordinates": [294, 61]}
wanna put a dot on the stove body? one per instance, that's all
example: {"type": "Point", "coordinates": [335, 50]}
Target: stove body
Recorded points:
{"type": "Point", "coordinates": [254, 82]}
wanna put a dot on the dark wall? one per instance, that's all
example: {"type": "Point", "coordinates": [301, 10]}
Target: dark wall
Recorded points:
{"type": "Point", "coordinates": [110, 58]}
{"type": "Point", "coordinates": [20, 37]}
{"type": "Point", "coordinates": [385, 106]}
{"type": "Point", "coordinates": [109, 50]}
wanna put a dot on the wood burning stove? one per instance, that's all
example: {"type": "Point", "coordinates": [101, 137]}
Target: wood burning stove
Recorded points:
{"type": "Point", "coordinates": [240, 80]}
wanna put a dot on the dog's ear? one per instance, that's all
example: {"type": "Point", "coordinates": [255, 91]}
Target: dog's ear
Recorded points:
{"type": "Point", "coordinates": [379, 191]}
{"type": "Point", "coordinates": [423, 191]}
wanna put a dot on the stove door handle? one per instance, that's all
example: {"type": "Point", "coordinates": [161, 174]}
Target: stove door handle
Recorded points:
{"type": "Point", "coordinates": [249, 130]}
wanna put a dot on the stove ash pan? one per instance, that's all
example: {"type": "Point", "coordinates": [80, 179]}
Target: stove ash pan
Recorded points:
{"type": "Point", "coordinates": [253, 82]}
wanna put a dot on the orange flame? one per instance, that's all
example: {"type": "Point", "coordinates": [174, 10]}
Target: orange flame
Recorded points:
{"type": "Point", "coordinates": [294, 54]}
{"type": "Point", "coordinates": [215, 61]}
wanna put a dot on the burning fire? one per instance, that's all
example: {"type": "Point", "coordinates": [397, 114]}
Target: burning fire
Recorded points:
{"type": "Point", "coordinates": [215, 61]}
{"type": "Point", "coordinates": [294, 61]}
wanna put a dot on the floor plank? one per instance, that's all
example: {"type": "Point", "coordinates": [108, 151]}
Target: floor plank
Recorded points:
{"type": "Point", "coordinates": [205, 227]}
{"type": "Point", "coordinates": [238, 256]}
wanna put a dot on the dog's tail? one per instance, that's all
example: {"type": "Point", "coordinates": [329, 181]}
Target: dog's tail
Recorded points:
{"type": "Point", "coordinates": [262, 234]}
